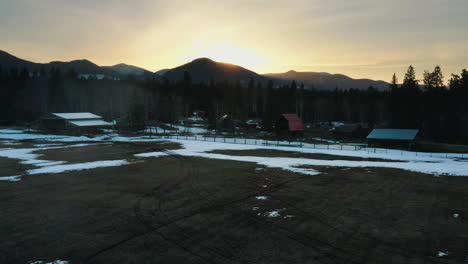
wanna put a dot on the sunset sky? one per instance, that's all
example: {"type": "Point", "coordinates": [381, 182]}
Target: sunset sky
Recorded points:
{"type": "Point", "coordinates": [360, 38]}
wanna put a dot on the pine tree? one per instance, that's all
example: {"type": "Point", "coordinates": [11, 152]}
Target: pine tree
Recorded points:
{"type": "Point", "coordinates": [410, 82]}
{"type": "Point", "coordinates": [438, 77]}
{"type": "Point", "coordinates": [409, 101]}
{"type": "Point", "coordinates": [394, 83]}
{"type": "Point", "coordinates": [433, 80]}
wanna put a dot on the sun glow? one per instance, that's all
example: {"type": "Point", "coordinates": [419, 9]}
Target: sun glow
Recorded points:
{"type": "Point", "coordinates": [222, 52]}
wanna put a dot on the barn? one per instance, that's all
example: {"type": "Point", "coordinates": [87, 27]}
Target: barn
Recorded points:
{"type": "Point", "coordinates": [73, 122]}
{"type": "Point", "coordinates": [289, 124]}
{"type": "Point", "coordinates": [392, 137]}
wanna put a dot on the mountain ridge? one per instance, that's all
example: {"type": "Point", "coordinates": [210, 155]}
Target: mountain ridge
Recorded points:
{"type": "Point", "coordinates": [201, 70]}
{"type": "Point", "coordinates": [328, 81]}
{"type": "Point", "coordinates": [205, 70]}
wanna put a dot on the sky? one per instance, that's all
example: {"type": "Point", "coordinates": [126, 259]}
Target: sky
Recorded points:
{"type": "Point", "coordinates": [360, 38]}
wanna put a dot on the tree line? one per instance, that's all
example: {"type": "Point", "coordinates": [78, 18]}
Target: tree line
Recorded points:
{"type": "Point", "coordinates": [438, 110]}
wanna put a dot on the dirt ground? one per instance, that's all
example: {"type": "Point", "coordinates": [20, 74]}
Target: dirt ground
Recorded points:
{"type": "Point", "coordinates": [292, 154]}
{"type": "Point", "coordinates": [177, 209]}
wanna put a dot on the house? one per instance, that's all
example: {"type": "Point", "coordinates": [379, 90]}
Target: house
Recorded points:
{"type": "Point", "coordinates": [353, 131]}
{"type": "Point", "coordinates": [289, 124]}
{"type": "Point", "coordinates": [252, 124]}
{"type": "Point", "coordinates": [73, 122]}
{"type": "Point", "coordinates": [392, 137]}
{"type": "Point", "coordinates": [196, 120]}
{"type": "Point", "coordinates": [347, 130]}
{"type": "Point", "coordinates": [225, 124]}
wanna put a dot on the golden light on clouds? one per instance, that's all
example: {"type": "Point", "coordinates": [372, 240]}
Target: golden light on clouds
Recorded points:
{"type": "Point", "coordinates": [359, 38]}
{"type": "Point", "coordinates": [230, 53]}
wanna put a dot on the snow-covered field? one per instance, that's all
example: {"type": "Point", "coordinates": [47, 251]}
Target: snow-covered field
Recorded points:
{"type": "Point", "coordinates": [442, 164]}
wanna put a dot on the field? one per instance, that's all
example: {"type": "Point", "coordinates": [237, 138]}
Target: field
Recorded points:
{"type": "Point", "coordinates": [135, 200]}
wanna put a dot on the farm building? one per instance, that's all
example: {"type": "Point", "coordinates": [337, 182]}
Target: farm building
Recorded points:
{"type": "Point", "coordinates": [225, 124]}
{"type": "Point", "coordinates": [351, 131]}
{"type": "Point", "coordinates": [73, 122]}
{"type": "Point", "coordinates": [395, 137]}
{"type": "Point", "coordinates": [289, 124]}
{"type": "Point", "coordinates": [347, 130]}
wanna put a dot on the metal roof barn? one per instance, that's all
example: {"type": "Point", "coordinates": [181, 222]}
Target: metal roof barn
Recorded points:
{"type": "Point", "coordinates": [393, 134]}
{"type": "Point", "coordinates": [294, 122]}
{"type": "Point", "coordinates": [90, 123]}
{"type": "Point", "coordinates": [76, 116]}
{"type": "Point", "coordinates": [73, 122]}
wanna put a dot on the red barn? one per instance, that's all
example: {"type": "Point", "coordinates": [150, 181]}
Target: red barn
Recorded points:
{"type": "Point", "coordinates": [289, 124]}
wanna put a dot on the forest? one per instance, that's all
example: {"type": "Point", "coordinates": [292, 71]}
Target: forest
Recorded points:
{"type": "Point", "coordinates": [436, 107]}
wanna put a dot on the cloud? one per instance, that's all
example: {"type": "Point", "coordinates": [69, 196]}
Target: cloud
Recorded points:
{"type": "Point", "coordinates": [362, 37]}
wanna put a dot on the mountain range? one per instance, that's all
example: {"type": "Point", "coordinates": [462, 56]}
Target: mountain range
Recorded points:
{"type": "Point", "coordinates": [201, 70]}
{"type": "Point", "coordinates": [327, 81]}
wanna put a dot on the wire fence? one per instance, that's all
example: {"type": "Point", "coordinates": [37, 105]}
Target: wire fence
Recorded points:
{"type": "Point", "coordinates": [299, 144]}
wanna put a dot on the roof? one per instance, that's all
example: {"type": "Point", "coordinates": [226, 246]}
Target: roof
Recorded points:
{"type": "Point", "coordinates": [292, 117]}
{"type": "Point", "coordinates": [75, 116]}
{"type": "Point", "coordinates": [348, 128]}
{"type": "Point", "coordinates": [393, 134]}
{"type": "Point", "coordinates": [294, 122]}
{"type": "Point", "coordinates": [90, 123]}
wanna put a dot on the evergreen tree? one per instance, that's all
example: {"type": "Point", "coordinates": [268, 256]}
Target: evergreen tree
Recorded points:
{"type": "Point", "coordinates": [394, 83]}
{"type": "Point", "coordinates": [410, 82]}
{"type": "Point", "coordinates": [409, 101]}
{"type": "Point", "coordinates": [437, 78]}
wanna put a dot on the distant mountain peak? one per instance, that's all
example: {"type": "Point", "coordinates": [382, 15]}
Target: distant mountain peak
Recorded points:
{"type": "Point", "coordinates": [121, 65]}
{"type": "Point", "coordinates": [291, 71]}
{"type": "Point", "coordinates": [203, 59]}
{"type": "Point", "coordinates": [206, 70]}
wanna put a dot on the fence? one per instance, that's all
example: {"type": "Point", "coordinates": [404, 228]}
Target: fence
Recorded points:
{"type": "Point", "coordinates": [299, 144]}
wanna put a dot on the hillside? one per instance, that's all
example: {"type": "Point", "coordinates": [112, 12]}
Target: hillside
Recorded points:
{"type": "Point", "coordinates": [205, 70]}
{"type": "Point", "coordinates": [130, 70]}
{"type": "Point", "coordinates": [327, 81]}
{"type": "Point", "coordinates": [82, 67]}
{"type": "Point", "coordinates": [201, 70]}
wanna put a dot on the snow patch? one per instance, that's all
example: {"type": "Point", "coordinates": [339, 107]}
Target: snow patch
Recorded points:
{"type": "Point", "coordinates": [11, 178]}
{"type": "Point", "coordinates": [53, 262]}
{"type": "Point", "coordinates": [78, 166]}
{"type": "Point", "coordinates": [150, 155]}
{"type": "Point", "coordinates": [273, 214]}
